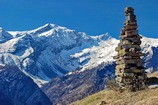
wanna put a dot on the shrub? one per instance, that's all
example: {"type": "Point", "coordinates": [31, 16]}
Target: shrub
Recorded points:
{"type": "Point", "coordinates": [111, 84]}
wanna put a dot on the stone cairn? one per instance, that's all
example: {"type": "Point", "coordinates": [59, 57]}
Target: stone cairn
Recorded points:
{"type": "Point", "coordinates": [129, 70]}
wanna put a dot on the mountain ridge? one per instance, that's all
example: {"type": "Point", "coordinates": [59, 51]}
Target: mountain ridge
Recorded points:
{"type": "Point", "coordinates": [47, 40]}
{"type": "Point", "coordinates": [51, 51]}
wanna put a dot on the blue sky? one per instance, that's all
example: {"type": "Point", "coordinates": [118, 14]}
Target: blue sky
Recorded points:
{"type": "Point", "coordinates": [91, 16]}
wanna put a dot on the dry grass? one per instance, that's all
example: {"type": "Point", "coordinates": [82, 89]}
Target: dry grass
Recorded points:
{"type": "Point", "coordinates": [154, 74]}
{"type": "Point", "coordinates": [144, 97]}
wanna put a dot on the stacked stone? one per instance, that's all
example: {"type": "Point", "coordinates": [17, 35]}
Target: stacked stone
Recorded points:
{"type": "Point", "coordinates": [129, 70]}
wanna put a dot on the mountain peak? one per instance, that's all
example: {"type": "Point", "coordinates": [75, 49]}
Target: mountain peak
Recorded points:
{"type": "Point", "coordinates": [4, 35]}
{"type": "Point", "coordinates": [2, 30]}
{"type": "Point", "coordinates": [50, 25]}
{"type": "Point", "coordinates": [42, 29]}
{"type": "Point", "coordinates": [104, 37]}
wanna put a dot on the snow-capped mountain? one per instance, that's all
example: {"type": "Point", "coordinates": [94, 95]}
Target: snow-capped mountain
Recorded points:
{"type": "Point", "coordinates": [51, 51]}
{"type": "Point", "coordinates": [18, 89]}
{"type": "Point", "coordinates": [81, 83]}
{"type": "Point", "coordinates": [150, 48]}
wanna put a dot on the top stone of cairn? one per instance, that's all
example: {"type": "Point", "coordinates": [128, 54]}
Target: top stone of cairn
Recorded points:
{"type": "Point", "coordinates": [129, 10]}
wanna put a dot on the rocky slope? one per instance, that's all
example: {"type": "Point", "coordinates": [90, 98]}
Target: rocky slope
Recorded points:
{"type": "Point", "coordinates": [77, 85]}
{"type": "Point", "coordinates": [18, 89]}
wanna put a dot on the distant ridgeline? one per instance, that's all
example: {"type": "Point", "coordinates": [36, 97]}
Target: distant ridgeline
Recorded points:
{"type": "Point", "coordinates": [130, 71]}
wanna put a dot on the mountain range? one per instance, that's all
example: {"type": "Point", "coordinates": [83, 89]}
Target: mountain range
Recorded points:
{"type": "Point", "coordinates": [51, 50]}
{"type": "Point", "coordinates": [68, 63]}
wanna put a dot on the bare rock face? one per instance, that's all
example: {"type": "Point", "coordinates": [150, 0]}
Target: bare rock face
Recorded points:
{"type": "Point", "coordinates": [18, 89]}
{"type": "Point", "coordinates": [129, 70]}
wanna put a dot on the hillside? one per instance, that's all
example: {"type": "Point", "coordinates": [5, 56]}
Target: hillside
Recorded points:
{"type": "Point", "coordinates": [144, 97]}
{"type": "Point", "coordinates": [77, 85]}
{"type": "Point", "coordinates": [16, 88]}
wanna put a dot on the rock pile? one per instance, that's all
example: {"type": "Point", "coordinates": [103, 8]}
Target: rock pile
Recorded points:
{"type": "Point", "coordinates": [129, 70]}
